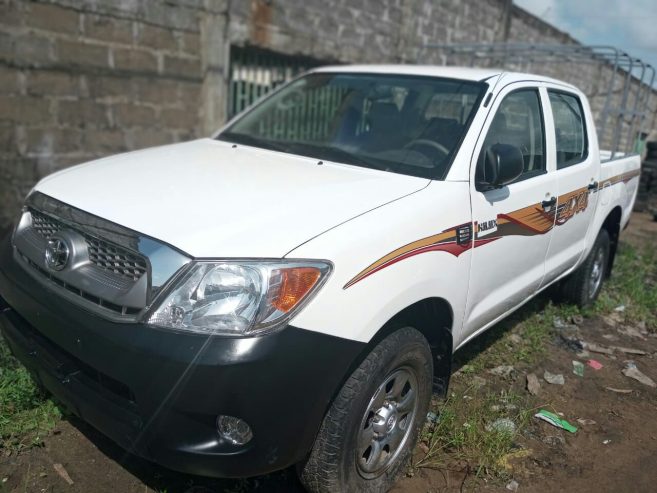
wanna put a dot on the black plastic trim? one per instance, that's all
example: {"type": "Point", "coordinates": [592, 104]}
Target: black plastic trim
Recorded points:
{"type": "Point", "coordinates": [157, 393]}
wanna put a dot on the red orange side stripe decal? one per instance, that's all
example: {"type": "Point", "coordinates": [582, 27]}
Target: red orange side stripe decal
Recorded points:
{"type": "Point", "coordinates": [528, 221]}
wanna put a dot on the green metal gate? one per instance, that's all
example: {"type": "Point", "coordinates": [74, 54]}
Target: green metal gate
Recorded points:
{"type": "Point", "coordinates": [254, 72]}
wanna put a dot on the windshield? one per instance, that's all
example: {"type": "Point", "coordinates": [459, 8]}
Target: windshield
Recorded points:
{"type": "Point", "coordinates": [403, 124]}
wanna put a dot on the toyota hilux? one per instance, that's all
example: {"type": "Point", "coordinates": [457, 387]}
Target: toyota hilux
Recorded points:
{"type": "Point", "coordinates": [291, 290]}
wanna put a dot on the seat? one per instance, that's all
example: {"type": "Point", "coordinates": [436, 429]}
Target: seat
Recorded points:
{"type": "Point", "coordinates": [384, 127]}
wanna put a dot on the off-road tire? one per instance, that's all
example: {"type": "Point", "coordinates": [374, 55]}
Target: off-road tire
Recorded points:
{"type": "Point", "coordinates": [331, 466]}
{"type": "Point", "coordinates": [577, 287]}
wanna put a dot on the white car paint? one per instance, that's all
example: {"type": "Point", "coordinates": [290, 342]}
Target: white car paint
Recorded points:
{"type": "Point", "coordinates": [464, 73]}
{"type": "Point", "coordinates": [213, 200]}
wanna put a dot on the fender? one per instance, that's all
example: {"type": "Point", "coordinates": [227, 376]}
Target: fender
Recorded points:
{"type": "Point", "coordinates": [390, 259]}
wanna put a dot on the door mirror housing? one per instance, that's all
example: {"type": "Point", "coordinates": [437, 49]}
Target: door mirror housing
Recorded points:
{"type": "Point", "coordinates": [499, 165]}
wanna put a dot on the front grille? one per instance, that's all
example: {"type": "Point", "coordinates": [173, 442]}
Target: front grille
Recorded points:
{"type": "Point", "coordinates": [105, 255]}
{"type": "Point", "coordinates": [100, 271]}
{"type": "Point", "coordinates": [115, 259]}
{"type": "Point", "coordinates": [44, 225]}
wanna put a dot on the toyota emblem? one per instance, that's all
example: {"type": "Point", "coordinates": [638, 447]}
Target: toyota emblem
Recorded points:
{"type": "Point", "coordinates": [57, 253]}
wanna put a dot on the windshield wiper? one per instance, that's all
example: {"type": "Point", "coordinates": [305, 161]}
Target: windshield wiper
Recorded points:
{"type": "Point", "coordinates": [250, 140]}
{"type": "Point", "coordinates": [311, 150]}
{"type": "Point", "coordinates": [337, 154]}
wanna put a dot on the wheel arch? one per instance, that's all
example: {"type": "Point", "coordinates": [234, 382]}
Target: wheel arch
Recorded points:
{"type": "Point", "coordinates": [433, 317]}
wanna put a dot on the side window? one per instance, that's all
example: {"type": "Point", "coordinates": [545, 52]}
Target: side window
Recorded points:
{"type": "Point", "coordinates": [569, 128]}
{"type": "Point", "coordinates": [519, 122]}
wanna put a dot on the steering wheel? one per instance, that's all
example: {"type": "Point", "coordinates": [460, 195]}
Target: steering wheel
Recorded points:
{"type": "Point", "coordinates": [428, 143]}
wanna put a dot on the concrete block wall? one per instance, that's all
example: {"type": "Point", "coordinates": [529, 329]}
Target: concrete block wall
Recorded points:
{"type": "Point", "coordinates": [363, 31]}
{"type": "Point", "coordinates": [81, 79]}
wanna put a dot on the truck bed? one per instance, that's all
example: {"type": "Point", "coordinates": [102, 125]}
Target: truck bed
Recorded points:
{"type": "Point", "coordinates": [620, 171]}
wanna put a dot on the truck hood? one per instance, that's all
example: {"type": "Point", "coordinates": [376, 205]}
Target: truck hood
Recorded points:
{"type": "Point", "coordinates": [211, 199]}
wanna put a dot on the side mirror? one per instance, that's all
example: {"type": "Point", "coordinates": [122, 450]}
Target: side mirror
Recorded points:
{"type": "Point", "coordinates": [499, 165]}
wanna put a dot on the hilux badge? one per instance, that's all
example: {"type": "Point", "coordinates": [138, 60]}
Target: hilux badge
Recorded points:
{"type": "Point", "coordinates": [57, 253]}
{"type": "Point", "coordinates": [486, 227]}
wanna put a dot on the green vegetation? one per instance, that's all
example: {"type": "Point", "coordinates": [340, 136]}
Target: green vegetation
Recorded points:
{"type": "Point", "coordinates": [634, 285]}
{"type": "Point", "coordinates": [521, 338]}
{"type": "Point", "coordinates": [26, 414]}
{"type": "Point", "coordinates": [466, 430]}
{"type": "Point", "coordinates": [463, 431]}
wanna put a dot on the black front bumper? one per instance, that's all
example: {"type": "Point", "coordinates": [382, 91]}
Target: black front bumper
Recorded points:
{"type": "Point", "coordinates": [157, 393]}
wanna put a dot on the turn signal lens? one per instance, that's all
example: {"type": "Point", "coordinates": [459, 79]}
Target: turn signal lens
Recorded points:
{"type": "Point", "coordinates": [296, 282]}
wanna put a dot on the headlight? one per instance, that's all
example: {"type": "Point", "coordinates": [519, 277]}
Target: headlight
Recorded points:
{"type": "Point", "coordinates": [239, 298]}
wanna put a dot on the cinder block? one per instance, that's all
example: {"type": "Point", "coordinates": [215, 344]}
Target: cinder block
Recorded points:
{"type": "Point", "coordinates": [179, 118]}
{"type": "Point", "coordinates": [46, 82]}
{"type": "Point", "coordinates": [157, 37]}
{"type": "Point", "coordinates": [82, 114]}
{"type": "Point", "coordinates": [77, 53]}
{"type": "Point", "coordinates": [52, 18]}
{"type": "Point", "coordinates": [186, 67]}
{"type": "Point", "coordinates": [24, 109]}
{"type": "Point", "coordinates": [109, 29]}
{"type": "Point", "coordinates": [9, 81]}
{"type": "Point", "coordinates": [130, 115]}
{"type": "Point", "coordinates": [135, 60]}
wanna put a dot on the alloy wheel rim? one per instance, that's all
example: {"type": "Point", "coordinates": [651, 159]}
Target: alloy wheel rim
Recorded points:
{"type": "Point", "coordinates": [387, 423]}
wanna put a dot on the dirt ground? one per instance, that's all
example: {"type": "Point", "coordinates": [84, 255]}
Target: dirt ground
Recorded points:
{"type": "Point", "coordinates": [616, 454]}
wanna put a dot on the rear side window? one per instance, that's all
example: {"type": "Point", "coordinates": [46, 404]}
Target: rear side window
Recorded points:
{"type": "Point", "coordinates": [519, 122]}
{"type": "Point", "coordinates": [569, 128]}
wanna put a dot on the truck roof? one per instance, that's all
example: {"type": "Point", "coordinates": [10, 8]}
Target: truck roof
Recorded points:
{"type": "Point", "coordinates": [451, 72]}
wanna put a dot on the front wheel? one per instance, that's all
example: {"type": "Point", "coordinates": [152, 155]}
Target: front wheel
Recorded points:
{"type": "Point", "coordinates": [370, 430]}
{"type": "Point", "coordinates": [584, 285]}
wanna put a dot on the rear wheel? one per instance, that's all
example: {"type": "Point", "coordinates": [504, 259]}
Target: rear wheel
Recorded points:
{"type": "Point", "coordinates": [583, 286]}
{"type": "Point", "coordinates": [369, 432]}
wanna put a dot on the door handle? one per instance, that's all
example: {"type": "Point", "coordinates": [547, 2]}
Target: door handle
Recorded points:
{"type": "Point", "coordinates": [549, 203]}
{"type": "Point", "coordinates": [593, 186]}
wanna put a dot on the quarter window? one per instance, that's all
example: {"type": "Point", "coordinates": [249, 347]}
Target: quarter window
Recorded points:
{"type": "Point", "coordinates": [569, 128]}
{"type": "Point", "coordinates": [519, 122]}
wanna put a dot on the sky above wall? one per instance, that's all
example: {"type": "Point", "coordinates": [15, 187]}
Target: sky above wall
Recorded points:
{"type": "Point", "coordinates": [628, 25]}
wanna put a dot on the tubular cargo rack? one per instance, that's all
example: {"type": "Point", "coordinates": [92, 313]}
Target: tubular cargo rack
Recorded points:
{"type": "Point", "coordinates": [626, 94]}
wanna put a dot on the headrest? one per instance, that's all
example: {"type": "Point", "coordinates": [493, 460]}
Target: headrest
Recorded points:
{"type": "Point", "coordinates": [382, 113]}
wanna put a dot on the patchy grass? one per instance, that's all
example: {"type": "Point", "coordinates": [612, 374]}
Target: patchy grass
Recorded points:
{"type": "Point", "coordinates": [633, 284]}
{"type": "Point", "coordinates": [466, 429]}
{"type": "Point", "coordinates": [26, 414]}
{"type": "Point", "coordinates": [521, 338]}
{"type": "Point", "coordinates": [463, 432]}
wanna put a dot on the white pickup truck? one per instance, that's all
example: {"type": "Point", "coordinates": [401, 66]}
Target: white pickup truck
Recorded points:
{"type": "Point", "coordinates": [291, 290]}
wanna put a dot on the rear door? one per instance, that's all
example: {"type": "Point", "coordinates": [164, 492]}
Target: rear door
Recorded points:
{"type": "Point", "coordinates": [577, 172]}
{"type": "Point", "coordinates": [512, 225]}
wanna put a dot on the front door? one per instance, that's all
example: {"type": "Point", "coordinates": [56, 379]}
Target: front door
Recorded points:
{"type": "Point", "coordinates": [512, 224]}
